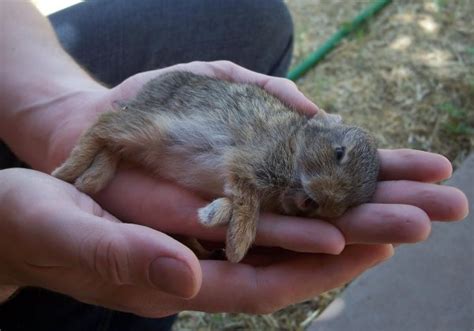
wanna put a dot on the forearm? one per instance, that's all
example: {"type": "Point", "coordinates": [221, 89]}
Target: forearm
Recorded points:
{"type": "Point", "coordinates": [35, 73]}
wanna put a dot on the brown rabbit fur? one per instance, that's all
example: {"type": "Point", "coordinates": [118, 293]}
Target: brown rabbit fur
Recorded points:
{"type": "Point", "coordinates": [234, 141]}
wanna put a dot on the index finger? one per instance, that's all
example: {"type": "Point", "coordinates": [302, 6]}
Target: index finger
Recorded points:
{"type": "Point", "coordinates": [410, 164]}
{"type": "Point", "coordinates": [285, 89]}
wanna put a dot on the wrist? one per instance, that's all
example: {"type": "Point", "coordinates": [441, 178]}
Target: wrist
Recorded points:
{"type": "Point", "coordinates": [31, 129]}
{"type": "Point", "coordinates": [38, 84]}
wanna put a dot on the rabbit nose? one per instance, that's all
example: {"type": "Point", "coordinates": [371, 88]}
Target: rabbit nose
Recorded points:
{"type": "Point", "coordinates": [331, 209]}
{"type": "Point", "coordinates": [306, 204]}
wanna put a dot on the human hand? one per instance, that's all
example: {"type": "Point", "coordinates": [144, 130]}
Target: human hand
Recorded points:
{"type": "Point", "coordinates": [271, 279]}
{"type": "Point", "coordinates": [55, 237]}
{"type": "Point", "coordinates": [64, 241]}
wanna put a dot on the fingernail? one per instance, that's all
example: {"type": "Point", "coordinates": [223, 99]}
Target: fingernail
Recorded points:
{"type": "Point", "coordinates": [172, 276]}
{"type": "Point", "coordinates": [388, 255]}
{"type": "Point", "coordinates": [391, 252]}
{"type": "Point", "coordinates": [316, 107]}
{"type": "Point", "coordinates": [313, 108]}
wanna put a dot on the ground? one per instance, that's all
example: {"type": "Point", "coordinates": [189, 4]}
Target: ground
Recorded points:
{"type": "Point", "coordinates": [407, 76]}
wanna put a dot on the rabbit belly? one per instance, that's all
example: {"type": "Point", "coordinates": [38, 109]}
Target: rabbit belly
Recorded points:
{"type": "Point", "coordinates": [204, 172]}
{"type": "Point", "coordinates": [194, 155]}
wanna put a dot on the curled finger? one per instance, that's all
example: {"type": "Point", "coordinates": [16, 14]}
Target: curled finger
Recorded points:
{"type": "Point", "coordinates": [410, 164]}
{"type": "Point", "coordinates": [442, 203]}
{"type": "Point", "coordinates": [379, 223]}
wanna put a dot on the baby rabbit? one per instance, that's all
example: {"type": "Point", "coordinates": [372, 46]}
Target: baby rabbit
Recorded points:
{"type": "Point", "coordinates": [233, 141]}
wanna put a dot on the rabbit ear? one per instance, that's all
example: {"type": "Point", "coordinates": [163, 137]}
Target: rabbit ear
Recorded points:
{"type": "Point", "coordinates": [323, 118]}
{"type": "Point", "coordinates": [334, 119]}
{"type": "Point", "coordinates": [349, 141]}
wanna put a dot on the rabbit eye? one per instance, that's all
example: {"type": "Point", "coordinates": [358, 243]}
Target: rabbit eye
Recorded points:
{"type": "Point", "coordinates": [340, 151]}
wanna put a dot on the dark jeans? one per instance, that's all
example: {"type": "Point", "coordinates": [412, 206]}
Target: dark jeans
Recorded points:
{"type": "Point", "coordinates": [114, 39]}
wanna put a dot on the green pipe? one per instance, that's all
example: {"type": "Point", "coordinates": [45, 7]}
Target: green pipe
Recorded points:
{"type": "Point", "coordinates": [335, 39]}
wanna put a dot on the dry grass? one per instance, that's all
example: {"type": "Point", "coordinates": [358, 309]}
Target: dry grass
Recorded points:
{"type": "Point", "coordinates": [296, 317]}
{"type": "Point", "coordinates": [408, 77]}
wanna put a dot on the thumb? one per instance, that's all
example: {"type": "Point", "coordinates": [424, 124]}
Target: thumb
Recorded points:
{"type": "Point", "coordinates": [288, 92]}
{"type": "Point", "coordinates": [122, 253]}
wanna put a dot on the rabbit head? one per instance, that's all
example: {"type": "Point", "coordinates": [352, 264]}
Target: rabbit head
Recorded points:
{"type": "Point", "coordinates": [336, 167]}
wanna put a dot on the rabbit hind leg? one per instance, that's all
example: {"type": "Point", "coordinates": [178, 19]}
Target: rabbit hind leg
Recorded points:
{"type": "Point", "coordinates": [80, 159]}
{"type": "Point", "coordinates": [93, 161]}
{"type": "Point", "coordinates": [99, 173]}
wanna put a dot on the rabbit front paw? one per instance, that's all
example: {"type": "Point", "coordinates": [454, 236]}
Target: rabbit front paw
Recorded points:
{"type": "Point", "coordinates": [218, 212]}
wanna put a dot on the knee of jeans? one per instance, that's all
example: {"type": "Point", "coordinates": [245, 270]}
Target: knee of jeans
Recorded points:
{"type": "Point", "coordinates": [271, 19]}
{"type": "Point", "coordinates": [270, 29]}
